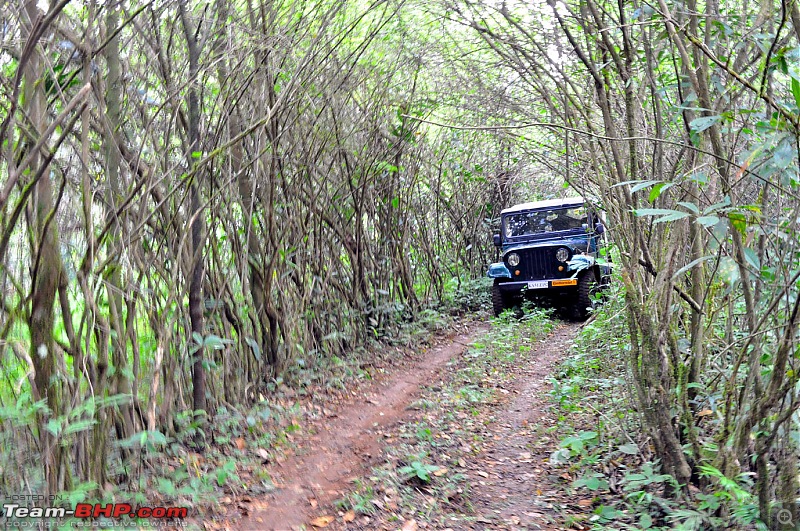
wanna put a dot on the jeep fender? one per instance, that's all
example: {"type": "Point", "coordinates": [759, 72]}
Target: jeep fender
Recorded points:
{"type": "Point", "coordinates": [498, 270]}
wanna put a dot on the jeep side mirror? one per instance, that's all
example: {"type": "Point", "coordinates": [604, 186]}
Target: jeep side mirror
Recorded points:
{"type": "Point", "coordinates": [599, 228]}
{"type": "Point", "coordinates": [496, 239]}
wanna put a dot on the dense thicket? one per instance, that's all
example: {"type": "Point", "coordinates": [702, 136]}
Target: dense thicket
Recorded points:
{"type": "Point", "coordinates": [683, 118]}
{"type": "Point", "coordinates": [195, 195]}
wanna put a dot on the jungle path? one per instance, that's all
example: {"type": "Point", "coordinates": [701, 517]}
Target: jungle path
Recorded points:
{"type": "Point", "coordinates": [512, 484]}
{"type": "Point", "coordinates": [346, 445]}
{"type": "Point", "coordinates": [515, 487]}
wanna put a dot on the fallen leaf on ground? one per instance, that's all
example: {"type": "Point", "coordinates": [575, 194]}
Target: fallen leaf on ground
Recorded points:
{"type": "Point", "coordinates": [349, 516]}
{"type": "Point", "coordinates": [378, 504]}
{"type": "Point", "coordinates": [585, 503]}
{"type": "Point", "coordinates": [263, 454]}
{"type": "Point", "coordinates": [410, 525]}
{"type": "Point", "coordinates": [322, 521]}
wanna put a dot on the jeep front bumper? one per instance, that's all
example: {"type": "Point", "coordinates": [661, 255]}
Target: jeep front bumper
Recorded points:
{"type": "Point", "coordinates": [556, 283]}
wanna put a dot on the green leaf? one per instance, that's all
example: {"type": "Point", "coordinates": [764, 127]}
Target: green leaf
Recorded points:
{"type": "Point", "coordinates": [728, 270]}
{"type": "Point", "coordinates": [796, 92]}
{"type": "Point", "coordinates": [738, 221]}
{"type": "Point", "coordinates": [667, 214]}
{"type": "Point", "coordinates": [645, 521]}
{"type": "Point", "coordinates": [642, 185]}
{"type": "Point", "coordinates": [215, 342]}
{"type": "Point", "coordinates": [690, 206]}
{"type": "Point", "coordinates": [630, 449]}
{"type": "Point", "coordinates": [672, 217]}
{"type": "Point", "coordinates": [54, 426]}
{"type": "Point", "coordinates": [658, 190]}
{"type": "Point", "coordinates": [197, 338]}
{"type": "Point", "coordinates": [708, 221]}
{"type": "Point", "coordinates": [699, 178]}
{"type": "Point", "coordinates": [690, 265]}
{"type": "Point", "coordinates": [717, 206]}
{"type": "Point", "coordinates": [641, 212]}
{"type": "Point", "coordinates": [82, 425]}
{"type": "Point", "coordinates": [699, 125]}
{"type": "Point", "coordinates": [624, 183]}
{"type": "Point", "coordinates": [784, 155]}
{"type": "Point", "coordinates": [254, 345]}
{"type": "Point", "coordinates": [166, 486]}
{"type": "Point", "coordinates": [752, 259]}
{"type": "Point", "coordinates": [152, 438]}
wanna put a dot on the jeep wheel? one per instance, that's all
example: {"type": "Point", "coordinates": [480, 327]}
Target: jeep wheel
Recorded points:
{"type": "Point", "coordinates": [500, 302]}
{"type": "Point", "coordinates": [584, 302]}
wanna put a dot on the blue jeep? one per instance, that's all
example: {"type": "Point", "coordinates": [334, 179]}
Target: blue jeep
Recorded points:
{"type": "Point", "coordinates": [549, 250]}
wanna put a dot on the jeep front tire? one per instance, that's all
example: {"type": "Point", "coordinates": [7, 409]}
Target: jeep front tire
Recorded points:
{"type": "Point", "coordinates": [500, 301]}
{"type": "Point", "coordinates": [584, 303]}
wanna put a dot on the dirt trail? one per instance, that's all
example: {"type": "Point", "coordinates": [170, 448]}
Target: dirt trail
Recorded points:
{"type": "Point", "coordinates": [345, 446]}
{"type": "Point", "coordinates": [515, 494]}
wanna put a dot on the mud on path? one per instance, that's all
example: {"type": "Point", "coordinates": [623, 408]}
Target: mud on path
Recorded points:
{"type": "Point", "coordinates": [517, 488]}
{"type": "Point", "coordinates": [345, 446]}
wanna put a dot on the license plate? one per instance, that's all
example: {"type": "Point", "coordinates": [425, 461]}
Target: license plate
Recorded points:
{"type": "Point", "coordinates": [538, 284]}
{"type": "Point", "coordinates": [568, 282]}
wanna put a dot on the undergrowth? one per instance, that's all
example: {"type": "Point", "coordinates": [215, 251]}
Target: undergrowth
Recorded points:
{"type": "Point", "coordinates": [613, 462]}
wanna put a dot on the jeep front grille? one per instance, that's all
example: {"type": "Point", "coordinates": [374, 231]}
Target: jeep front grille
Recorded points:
{"type": "Point", "coordinates": [539, 264]}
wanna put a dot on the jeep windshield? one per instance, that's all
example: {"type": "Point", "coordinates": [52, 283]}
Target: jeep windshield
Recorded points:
{"type": "Point", "coordinates": [543, 221]}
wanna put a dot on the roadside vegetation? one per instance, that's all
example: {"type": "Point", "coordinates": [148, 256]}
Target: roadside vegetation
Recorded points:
{"type": "Point", "coordinates": [612, 462]}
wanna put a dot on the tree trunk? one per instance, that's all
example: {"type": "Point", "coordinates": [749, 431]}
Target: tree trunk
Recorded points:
{"type": "Point", "coordinates": [197, 223]}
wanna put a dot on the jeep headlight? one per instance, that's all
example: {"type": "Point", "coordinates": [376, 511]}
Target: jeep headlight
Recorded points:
{"type": "Point", "coordinates": [513, 259]}
{"type": "Point", "coordinates": [562, 254]}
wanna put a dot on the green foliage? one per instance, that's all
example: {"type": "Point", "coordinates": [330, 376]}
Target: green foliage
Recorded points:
{"type": "Point", "coordinates": [575, 446]}
{"type": "Point", "coordinates": [468, 294]}
{"type": "Point", "coordinates": [149, 441]}
{"type": "Point", "coordinates": [418, 469]}
{"type": "Point", "coordinates": [209, 342]}
{"type": "Point", "coordinates": [360, 500]}
{"type": "Point", "coordinates": [226, 473]}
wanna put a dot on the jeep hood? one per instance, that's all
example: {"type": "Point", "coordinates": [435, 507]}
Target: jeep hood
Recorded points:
{"type": "Point", "coordinates": [572, 241]}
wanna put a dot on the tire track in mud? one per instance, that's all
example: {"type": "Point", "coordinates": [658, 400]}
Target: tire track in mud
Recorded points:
{"type": "Point", "coordinates": [347, 445]}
